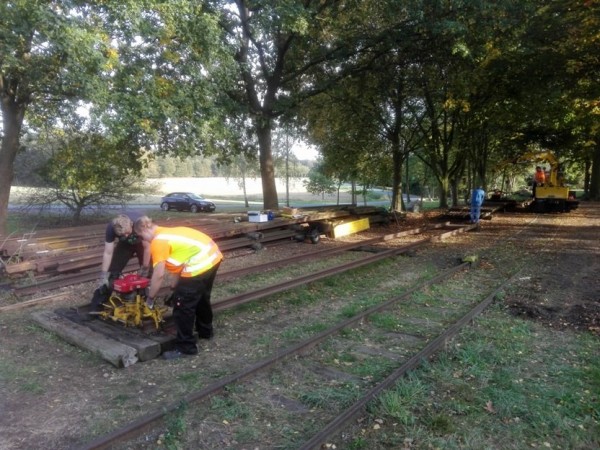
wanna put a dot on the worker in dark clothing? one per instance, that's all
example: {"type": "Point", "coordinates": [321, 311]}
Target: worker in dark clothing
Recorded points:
{"type": "Point", "coordinates": [192, 259]}
{"type": "Point", "coordinates": [477, 198]}
{"type": "Point", "coordinates": [121, 244]}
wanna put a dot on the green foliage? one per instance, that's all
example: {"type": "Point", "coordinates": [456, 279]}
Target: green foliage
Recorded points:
{"type": "Point", "coordinates": [87, 162]}
{"type": "Point", "coordinates": [89, 170]}
{"type": "Point", "coordinates": [318, 183]}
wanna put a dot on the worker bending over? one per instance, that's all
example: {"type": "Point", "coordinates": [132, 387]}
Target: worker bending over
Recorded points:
{"type": "Point", "coordinates": [192, 258]}
{"type": "Point", "coordinates": [120, 245]}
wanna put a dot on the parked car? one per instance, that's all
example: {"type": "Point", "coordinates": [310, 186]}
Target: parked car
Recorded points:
{"type": "Point", "coordinates": [186, 201]}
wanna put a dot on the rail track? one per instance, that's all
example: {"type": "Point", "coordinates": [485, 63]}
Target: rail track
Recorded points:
{"type": "Point", "coordinates": [87, 275]}
{"type": "Point", "coordinates": [327, 378]}
{"type": "Point", "coordinates": [326, 353]}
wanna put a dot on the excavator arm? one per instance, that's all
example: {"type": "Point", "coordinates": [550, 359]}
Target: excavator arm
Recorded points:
{"type": "Point", "coordinates": [544, 157]}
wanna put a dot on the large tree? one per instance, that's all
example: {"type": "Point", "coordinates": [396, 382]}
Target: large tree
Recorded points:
{"type": "Point", "coordinates": [88, 170]}
{"type": "Point", "coordinates": [285, 52]}
{"type": "Point", "coordinates": [50, 54]}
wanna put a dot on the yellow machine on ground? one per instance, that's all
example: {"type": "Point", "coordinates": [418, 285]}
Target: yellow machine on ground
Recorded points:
{"type": "Point", "coordinates": [553, 195]}
{"type": "Point", "coordinates": [127, 303]}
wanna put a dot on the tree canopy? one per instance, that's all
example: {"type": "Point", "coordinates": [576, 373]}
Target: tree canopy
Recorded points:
{"type": "Point", "coordinates": [460, 85]}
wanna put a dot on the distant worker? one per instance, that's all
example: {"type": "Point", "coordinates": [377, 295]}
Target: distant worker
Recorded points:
{"type": "Point", "coordinates": [121, 244]}
{"type": "Point", "coordinates": [192, 259]}
{"type": "Point", "coordinates": [539, 178]}
{"type": "Point", "coordinates": [477, 197]}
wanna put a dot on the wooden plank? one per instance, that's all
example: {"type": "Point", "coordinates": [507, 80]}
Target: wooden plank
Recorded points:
{"type": "Point", "coordinates": [147, 340]}
{"type": "Point", "coordinates": [147, 349]}
{"type": "Point", "coordinates": [118, 354]}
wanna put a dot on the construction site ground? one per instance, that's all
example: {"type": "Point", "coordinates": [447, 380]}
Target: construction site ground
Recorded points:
{"type": "Point", "coordinates": [55, 395]}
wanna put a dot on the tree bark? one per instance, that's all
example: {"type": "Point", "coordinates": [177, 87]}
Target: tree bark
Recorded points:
{"type": "Point", "coordinates": [267, 169]}
{"type": "Point", "coordinates": [13, 114]}
{"type": "Point", "coordinates": [595, 177]}
{"type": "Point", "coordinates": [397, 176]}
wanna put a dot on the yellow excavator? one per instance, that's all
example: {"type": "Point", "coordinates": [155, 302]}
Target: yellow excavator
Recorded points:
{"type": "Point", "coordinates": [552, 195]}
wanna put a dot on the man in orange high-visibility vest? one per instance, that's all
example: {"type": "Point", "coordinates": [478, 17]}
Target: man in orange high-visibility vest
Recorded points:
{"type": "Point", "coordinates": [192, 258]}
{"type": "Point", "coordinates": [539, 179]}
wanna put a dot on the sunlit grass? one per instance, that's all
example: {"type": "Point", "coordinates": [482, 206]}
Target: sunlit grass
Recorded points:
{"type": "Point", "coordinates": [503, 384]}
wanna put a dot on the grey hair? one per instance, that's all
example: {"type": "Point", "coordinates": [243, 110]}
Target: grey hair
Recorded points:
{"type": "Point", "coordinates": [142, 223]}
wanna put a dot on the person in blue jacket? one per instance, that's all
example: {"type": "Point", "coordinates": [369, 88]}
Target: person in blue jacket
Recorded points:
{"type": "Point", "coordinates": [477, 197]}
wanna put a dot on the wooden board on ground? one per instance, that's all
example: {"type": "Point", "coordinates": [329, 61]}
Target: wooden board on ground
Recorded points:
{"type": "Point", "coordinates": [120, 355]}
{"type": "Point", "coordinates": [109, 339]}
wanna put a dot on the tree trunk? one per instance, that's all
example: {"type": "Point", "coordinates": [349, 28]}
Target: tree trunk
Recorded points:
{"type": "Point", "coordinates": [454, 190]}
{"type": "Point", "coordinates": [595, 177]}
{"type": "Point", "coordinates": [267, 169]}
{"type": "Point", "coordinates": [13, 114]}
{"type": "Point", "coordinates": [397, 176]}
{"type": "Point", "coordinates": [444, 183]}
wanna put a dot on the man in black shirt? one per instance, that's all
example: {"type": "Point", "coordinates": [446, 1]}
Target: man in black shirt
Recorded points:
{"type": "Point", "coordinates": [120, 245]}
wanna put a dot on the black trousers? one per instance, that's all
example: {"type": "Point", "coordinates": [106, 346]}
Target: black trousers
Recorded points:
{"type": "Point", "coordinates": [192, 308]}
{"type": "Point", "coordinates": [122, 253]}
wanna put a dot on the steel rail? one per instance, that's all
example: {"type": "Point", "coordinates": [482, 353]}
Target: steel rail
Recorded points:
{"type": "Point", "coordinates": [322, 253]}
{"type": "Point", "coordinates": [91, 274]}
{"type": "Point", "coordinates": [432, 347]}
{"type": "Point", "coordinates": [240, 299]}
{"type": "Point", "coordinates": [143, 423]}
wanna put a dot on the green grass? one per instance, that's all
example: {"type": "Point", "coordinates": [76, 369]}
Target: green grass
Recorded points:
{"type": "Point", "coordinates": [330, 398]}
{"type": "Point", "coordinates": [175, 427]}
{"type": "Point", "coordinates": [229, 408]}
{"type": "Point", "coordinates": [372, 368]}
{"type": "Point", "coordinates": [192, 380]}
{"type": "Point", "coordinates": [503, 384]}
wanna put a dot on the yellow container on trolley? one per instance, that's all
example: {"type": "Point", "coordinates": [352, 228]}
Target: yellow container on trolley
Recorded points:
{"type": "Point", "coordinates": [347, 228]}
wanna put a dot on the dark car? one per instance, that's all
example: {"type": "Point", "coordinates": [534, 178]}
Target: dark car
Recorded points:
{"type": "Point", "coordinates": [186, 201]}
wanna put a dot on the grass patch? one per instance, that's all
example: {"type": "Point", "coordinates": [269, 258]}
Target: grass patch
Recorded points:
{"type": "Point", "coordinates": [331, 398]}
{"type": "Point", "coordinates": [175, 428]}
{"type": "Point", "coordinates": [372, 368]}
{"type": "Point", "coordinates": [192, 380]}
{"type": "Point", "coordinates": [504, 384]}
{"type": "Point", "coordinates": [229, 408]}
{"type": "Point", "coordinates": [293, 334]}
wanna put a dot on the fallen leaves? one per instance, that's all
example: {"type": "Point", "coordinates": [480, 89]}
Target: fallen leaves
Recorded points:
{"type": "Point", "coordinates": [489, 407]}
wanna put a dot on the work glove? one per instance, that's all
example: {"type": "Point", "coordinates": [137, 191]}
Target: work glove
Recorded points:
{"type": "Point", "coordinates": [144, 271]}
{"type": "Point", "coordinates": [104, 277]}
{"type": "Point", "coordinates": [150, 302]}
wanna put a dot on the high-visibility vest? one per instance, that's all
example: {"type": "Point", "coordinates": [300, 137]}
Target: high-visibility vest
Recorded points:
{"type": "Point", "coordinates": [539, 176]}
{"type": "Point", "coordinates": [185, 251]}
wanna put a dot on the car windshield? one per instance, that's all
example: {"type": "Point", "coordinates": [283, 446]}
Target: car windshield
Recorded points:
{"type": "Point", "coordinates": [195, 197]}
